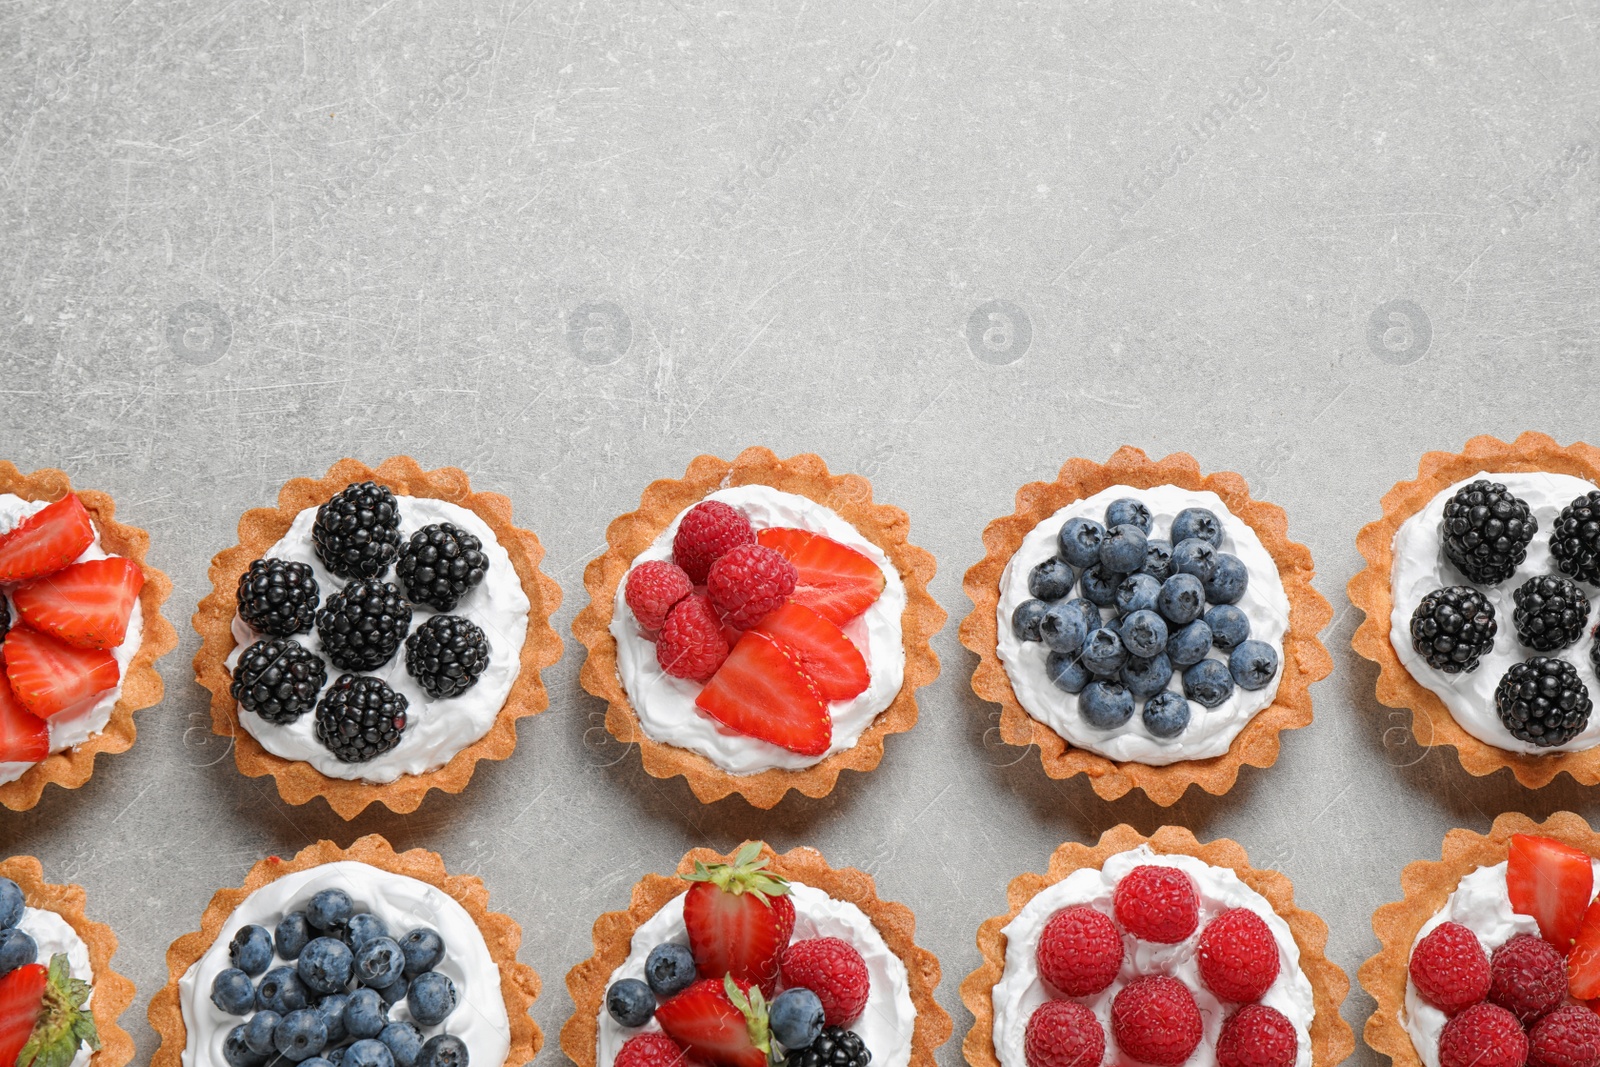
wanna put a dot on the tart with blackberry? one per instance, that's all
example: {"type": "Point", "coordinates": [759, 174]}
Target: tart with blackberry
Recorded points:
{"type": "Point", "coordinates": [375, 635]}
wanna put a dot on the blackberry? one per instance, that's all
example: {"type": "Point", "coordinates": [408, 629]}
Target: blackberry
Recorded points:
{"type": "Point", "coordinates": [446, 655]}
{"type": "Point", "coordinates": [440, 564]}
{"type": "Point", "coordinates": [1486, 532]}
{"type": "Point", "coordinates": [1543, 702]}
{"type": "Point", "coordinates": [1551, 612]}
{"type": "Point", "coordinates": [1453, 627]}
{"type": "Point", "coordinates": [278, 679]}
{"type": "Point", "coordinates": [836, 1047]}
{"type": "Point", "coordinates": [363, 624]}
{"type": "Point", "coordinates": [360, 718]}
{"type": "Point", "coordinates": [357, 532]}
{"type": "Point", "coordinates": [1575, 540]}
{"type": "Point", "coordinates": [278, 597]}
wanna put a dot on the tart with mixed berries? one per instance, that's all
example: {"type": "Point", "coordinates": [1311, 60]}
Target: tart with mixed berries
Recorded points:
{"type": "Point", "coordinates": [360, 956]}
{"type": "Point", "coordinates": [759, 626]}
{"type": "Point", "coordinates": [375, 635]}
{"type": "Point", "coordinates": [1492, 959]}
{"type": "Point", "coordinates": [1480, 593]}
{"type": "Point", "coordinates": [1156, 950]}
{"type": "Point", "coordinates": [80, 631]}
{"type": "Point", "coordinates": [751, 960]}
{"type": "Point", "coordinates": [1145, 624]}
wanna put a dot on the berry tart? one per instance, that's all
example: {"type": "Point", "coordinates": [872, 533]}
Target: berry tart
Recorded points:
{"type": "Point", "coordinates": [1159, 951]}
{"type": "Point", "coordinates": [80, 631]}
{"type": "Point", "coordinates": [1492, 958]}
{"type": "Point", "coordinates": [759, 626]}
{"type": "Point", "coordinates": [752, 960]}
{"type": "Point", "coordinates": [1481, 592]}
{"type": "Point", "coordinates": [375, 635]}
{"type": "Point", "coordinates": [1146, 625]}
{"type": "Point", "coordinates": [362, 957]}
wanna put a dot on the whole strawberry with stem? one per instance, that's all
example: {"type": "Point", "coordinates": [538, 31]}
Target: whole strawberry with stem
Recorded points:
{"type": "Point", "coordinates": [720, 1023]}
{"type": "Point", "coordinates": [43, 1018]}
{"type": "Point", "coordinates": [740, 917]}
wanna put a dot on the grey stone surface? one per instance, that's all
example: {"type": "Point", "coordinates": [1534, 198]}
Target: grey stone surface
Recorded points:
{"type": "Point", "coordinates": [945, 243]}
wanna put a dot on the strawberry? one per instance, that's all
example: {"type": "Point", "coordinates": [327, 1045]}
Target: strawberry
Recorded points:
{"type": "Point", "coordinates": [720, 1022]}
{"type": "Point", "coordinates": [1550, 882]}
{"type": "Point", "coordinates": [42, 1016]}
{"type": "Point", "coordinates": [761, 692]}
{"type": "Point", "coordinates": [825, 653]}
{"type": "Point", "coordinates": [86, 604]}
{"type": "Point", "coordinates": [50, 676]}
{"type": "Point", "coordinates": [740, 918]}
{"type": "Point", "coordinates": [46, 541]}
{"type": "Point", "coordinates": [1583, 964]}
{"type": "Point", "coordinates": [836, 581]}
{"type": "Point", "coordinates": [24, 737]}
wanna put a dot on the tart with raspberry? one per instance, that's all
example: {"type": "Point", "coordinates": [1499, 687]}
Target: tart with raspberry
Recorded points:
{"type": "Point", "coordinates": [1481, 592]}
{"type": "Point", "coordinates": [80, 631]}
{"type": "Point", "coordinates": [359, 955]}
{"type": "Point", "coordinates": [759, 626]}
{"type": "Point", "coordinates": [1157, 950]}
{"type": "Point", "coordinates": [756, 959]}
{"type": "Point", "coordinates": [375, 635]}
{"type": "Point", "coordinates": [1146, 625]}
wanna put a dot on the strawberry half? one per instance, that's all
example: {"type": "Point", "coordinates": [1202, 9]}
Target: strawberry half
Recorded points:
{"type": "Point", "coordinates": [24, 737]}
{"type": "Point", "coordinates": [719, 1022]}
{"type": "Point", "coordinates": [825, 653]}
{"type": "Point", "coordinates": [86, 604]}
{"type": "Point", "coordinates": [1583, 965]}
{"type": "Point", "coordinates": [42, 1016]}
{"type": "Point", "coordinates": [761, 692]}
{"type": "Point", "coordinates": [50, 676]}
{"type": "Point", "coordinates": [739, 918]}
{"type": "Point", "coordinates": [834, 580]}
{"type": "Point", "coordinates": [1552, 883]}
{"type": "Point", "coordinates": [46, 541]}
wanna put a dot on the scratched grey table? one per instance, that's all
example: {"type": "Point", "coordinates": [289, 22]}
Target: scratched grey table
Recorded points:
{"type": "Point", "coordinates": [948, 244]}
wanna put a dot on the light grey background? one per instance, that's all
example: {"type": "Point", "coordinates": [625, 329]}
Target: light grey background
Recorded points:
{"type": "Point", "coordinates": [239, 240]}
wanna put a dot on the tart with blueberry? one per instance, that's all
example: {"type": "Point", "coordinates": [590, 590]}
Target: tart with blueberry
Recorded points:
{"type": "Point", "coordinates": [362, 956]}
{"type": "Point", "coordinates": [1146, 625]}
{"type": "Point", "coordinates": [1481, 593]}
{"type": "Point", "coordinates": [1157, 950]}
{"type": "Point", "coordinates": [80, 631]}
{"type": "Point", "coordinates": [375, 635]}
{"type": "Point", "coordinates": [759, 626]}
{"type": "Point", "coordinates": [752, 960]}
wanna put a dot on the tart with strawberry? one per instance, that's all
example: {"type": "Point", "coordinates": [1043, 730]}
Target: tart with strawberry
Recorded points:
{"type": "Point", "coordinates": [759, 626]}
{"type": "Point", "coordinates": [752, 960]}
{"type": "Point", "coordinates": [1157, 950]}
{"type": "Point", "coordinates": [80, 631]}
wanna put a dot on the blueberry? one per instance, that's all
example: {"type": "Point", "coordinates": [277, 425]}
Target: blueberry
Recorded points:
{"type": "Point", "coordinates": [1106, 705]}
{"type": "Point", "coordinates": [1158, 559]}
{"type": "Point", "coordinates": [281, 990]}
{"type": "Point", "coordinates": [1122, 550]}
{"type": "Point", "coordinates": [335, 1056]}
{"type": "Point", "coordinates": [251, 950]}
{"type": "Point", "coordinates": [1025, 619]}
{"type": "Point", "coordinates": [363, 928]}
{"type": "Point", "coordinates": [317, 1061]}
{"type": "Point", "coordinates": [17, 949]}
{"type": "Point", "coordinates": [11, 904]}
{"type": "Point", "coordinates": [326, 965]}
{"type": "Point", "coordinates": [365, 1014]}
{"type": "Point", "coordinates": [1228, 580]}
{"type": "Point", "coordinates": [1088, 610]}
{"type": "Point", "coordinates": [1230, 627]}
{"type": "Point", "coordinates": [1137, 593]}
{"type": "Point", "coordinates": [1253, 664]}
{"type": "Point", "coordinates": [1103, 653]}
{"type": "Point", "coordinates": [1144, 633]}
{"type": "Point", "coordinates": [1189, 644]}
{"type": "Point", "coordinates": [443, 1050]}
{"type": "Point", "coordinates": [1198, 523]}
{"type": "Point", "coordinates": [394, 994]}
{"type": "Point", "coordinates": [432, 997]}
{"type": "Point", "coordinates": [1182, 599]}
{"type": "Point", "coordinates": [1166, 714]}
{"type": "Point", "coordinates": [404, 1042]}
{"type": "Point", "coordinates": [1127, 511]}
{"type": "Point", "coordinates": [796, 1017]}
{"type": "Point", "coordinates": [1145, 677]}
{"type": "Point", "coordinates": [332, 1008]}
{"type": "Point", "coordinates": [258, 1032]}
{"type": "Point", "coordinates": [1052, 579]}
{"type": "Point", "coordinates": [630, 1002]}
{"type": "Point", "coordinates": [236, 1053]}
{"type": "Point", "coordinates": [233, 992]}
{"type": "Point", "coordinates": [1062, 628]}
{"type": "Point", "coordinates": [369, 1052]}
{"type": "Point", "coordinates": [379, 963]}
{"type": "Point", "coordinates": [1195, 557]}
{"type": "Point", "coordinates": [301, 1035]}
{"type": "Point", "coordinates": [424, 948]}
{"type": "Point", "coordinates": [292, 935]}
{"type": "Point", "coordinates": [1079, 541]}
{"type": "Point", "coordinates": [1208, 683]}
{"type": "Point", "coordinates": [669, 969]}
{"type": "Point", "coordinates": [330, 909]}
{"type": "Point", "coordinates": [1100, 586]}
{"type": "Point", "coordinates": [1066, 672]}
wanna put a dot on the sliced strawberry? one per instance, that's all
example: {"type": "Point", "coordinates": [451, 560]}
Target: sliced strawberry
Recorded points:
{"type": "Point", "coordinates": [86, 604]}
{"type": "Point", "coordinates": [739, 917]}
{"type": "Point", "coordinates": [50, 676]}
{"type": "Point", "coordinates": [1583, 965]}
{"type": "Point", "coordinates": [24, 737]}
{"type": "Point", "coordinates": [719, 1022]}
{"type": "Point", "coordinates": [761, 692]}
{"type": "Point", "coordinates": [836, 581]}
{"type": "Point", "coordinates": [46, 541]}
{"type": "Point", "coordinates": [21, 1004]}
{"type": "Point", "coordinates": [825, 653]}
{"type": "Point", "coordinates": [43, 1018]}
{"type": "Point", "coordinates": [1552, 883]}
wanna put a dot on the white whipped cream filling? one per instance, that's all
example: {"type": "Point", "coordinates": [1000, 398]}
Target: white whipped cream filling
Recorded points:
{"type": "Point", "coordinates": [403, 904]}
{"type": "Point", "coordinates": [76, 725]}
{"type": "Point", "coordinates": [887, 1022]}
{"type": "Point", "coordinates": [52, 934]}
{"type": "Point", "coordinates": [665, 705]}
{"type": "Point", "coordinates": [1210, 731]}
{"type": "Point", "coordinates": [435, 729]}
{"type": "Point", "coordinates": [1420, 567]}
{"type": "Point", "coordinates": [1020, 991]}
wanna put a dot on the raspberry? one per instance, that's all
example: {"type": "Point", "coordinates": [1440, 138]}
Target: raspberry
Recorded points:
{"type": "Point", "coordinates": [653, 589]}
{"type": "Point", "coordinates": [1080, 952]}
{"type": "Point", "coordinates": [1257, 1036]}
{"type": "Point", "coordinates": [1154, 1019]}
{"type": "Point", "coordinates": [1528, 978]}
{"type": "Point", "coordinates": [650, 1050]}
{"type": "Point", "coordinates": [691, 644]}
{"type": "Point", "coordinates": [747, 583]}
{"type": "Point", "coordinates": [708, 530]}
{"type": "Point", "coordinates": [1238, 956]}
{"type": "Point", "coordinates": [1157, 904]}
{"type": "Point", "coordinates": [1567, 1037]}
{"type": "Point", "coordinates": [1485, 1035]}
{"type": "Point", "coordinates": [1062, 1033]}
{"type": "Point", "coordinates": [1449, 969]}
{"type": "Point", "coordinates": [834, 971]}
